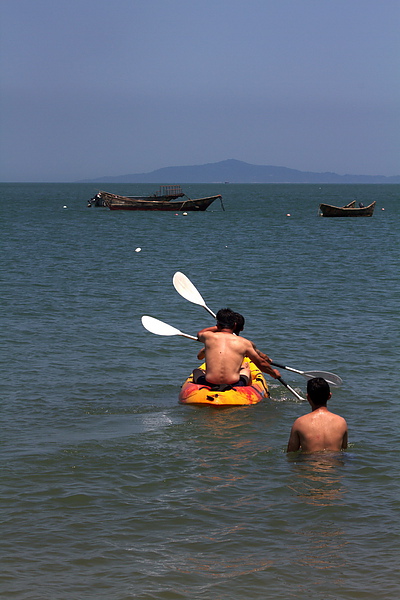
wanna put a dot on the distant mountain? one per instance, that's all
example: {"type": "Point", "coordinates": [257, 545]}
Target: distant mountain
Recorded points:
{"type": "Point", "coordinates": [236, 171]}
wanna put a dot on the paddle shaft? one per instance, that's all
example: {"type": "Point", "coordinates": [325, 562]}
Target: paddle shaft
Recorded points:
{"type": "Point", "coordinates": [331, 378]}
{"type": "Point", "coordinates": [283, 382]}
{"type": "Point", "coordinates": [210, 311]}
{"type": "Point", "coordinates": [190, 337]}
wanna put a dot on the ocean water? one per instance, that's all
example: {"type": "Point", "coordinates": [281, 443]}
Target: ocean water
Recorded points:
{"type": "Point", "coordinates": [112, 490]}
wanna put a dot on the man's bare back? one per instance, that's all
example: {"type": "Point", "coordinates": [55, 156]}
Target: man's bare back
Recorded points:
{"type": "Point", "coordinates": [224, 354]}
{"type": "Point", "coordinates": [320, 429]}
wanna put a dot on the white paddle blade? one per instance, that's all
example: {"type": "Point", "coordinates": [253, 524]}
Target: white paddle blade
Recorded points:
{"type": "Point", "coordinates": [187, 290]}
{"type": "Point", "coordinates": [331, 378]}
{"type": "Point", "coordinates": [160, 328]}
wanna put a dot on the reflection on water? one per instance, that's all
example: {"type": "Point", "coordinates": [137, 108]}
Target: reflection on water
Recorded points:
{"type": "Point", "coordinates": [233, 431]}
{"type": "Point", "coordinates": [220, 568]}
{"type": "Point", "coordinates": [317, 477]}
{"type": "Point", "coordinates": [320, 539]}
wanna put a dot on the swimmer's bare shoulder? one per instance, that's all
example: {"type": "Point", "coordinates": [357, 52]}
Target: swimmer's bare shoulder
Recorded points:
{"type": "Point", "coordinates": [317, 431]}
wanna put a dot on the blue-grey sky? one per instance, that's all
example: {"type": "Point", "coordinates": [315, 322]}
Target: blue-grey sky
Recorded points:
{"type": "Point", "coordinates": [97, 87]}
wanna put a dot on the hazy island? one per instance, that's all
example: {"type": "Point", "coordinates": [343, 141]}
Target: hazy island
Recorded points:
{"type": "Point", "coordinates": [236, 171]}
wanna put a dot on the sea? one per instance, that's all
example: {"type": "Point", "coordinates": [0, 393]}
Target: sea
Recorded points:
{"type": "Point", "coordinates": [112, 490]}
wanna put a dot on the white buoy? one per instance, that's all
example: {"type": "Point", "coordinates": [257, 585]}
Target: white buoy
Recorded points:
{"type": "Point", "coordinates": [184, 214]}
{"type": "Point", "coordinates": [65, 206]}
{"type": "Point", "coordinates": [138, 250]}
{"type": "Point", "coordinates": [288, 214]}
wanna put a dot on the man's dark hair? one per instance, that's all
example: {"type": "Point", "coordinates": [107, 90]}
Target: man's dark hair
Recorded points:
{"type": "Point", "coordinates": [226, 318]}
{"type": "Point", "coordinates": [318, 389]}
{"type": "Point", "coordinates": [239, 323]}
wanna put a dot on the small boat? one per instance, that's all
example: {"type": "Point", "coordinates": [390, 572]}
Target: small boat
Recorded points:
{"type": "Point", "coordinates": [165, 200]}
{"type": "Point", "coordinates": [350, 210]}
{"type": "Point", "coordinates": [166, 193]}
{"type": "Point", "coordinates": [200, 395]}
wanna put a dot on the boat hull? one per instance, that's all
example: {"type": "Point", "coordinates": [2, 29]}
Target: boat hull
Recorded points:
{"type": "Point", "coordinates": [200, 204]}
{"type": "Point", "coordinates": [115, 202]}
{"type": "Point", "coordinates": [165, 194]}
{"type": "Point", "coordinates": [346, 211]}
{"type": "Point", "coordinates": [202, 395]}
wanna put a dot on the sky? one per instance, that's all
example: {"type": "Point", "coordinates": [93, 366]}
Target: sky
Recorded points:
{"type": "Point", "coordinates": [94, 88]}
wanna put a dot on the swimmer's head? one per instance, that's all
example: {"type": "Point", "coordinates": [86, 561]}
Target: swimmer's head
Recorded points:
{"type": "Point", "coordinates": [318, 391]}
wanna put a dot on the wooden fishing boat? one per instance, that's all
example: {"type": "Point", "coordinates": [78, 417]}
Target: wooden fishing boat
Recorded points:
{"type": "Point", "coordinates": [350, 210]}
{"type": "Point", "coordinates": [166, 193]}
{"type": "Point", "coordinates": [157, 202]}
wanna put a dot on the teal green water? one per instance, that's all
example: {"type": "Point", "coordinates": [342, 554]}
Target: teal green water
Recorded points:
{"type": "Point", "coordinates": [112, 490]}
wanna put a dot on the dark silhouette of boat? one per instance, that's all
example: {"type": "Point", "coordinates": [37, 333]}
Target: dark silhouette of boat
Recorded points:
{"type": "Point", "coordinates": [164, 200]}
{"type": "Point", "coordinates": [350, 210]}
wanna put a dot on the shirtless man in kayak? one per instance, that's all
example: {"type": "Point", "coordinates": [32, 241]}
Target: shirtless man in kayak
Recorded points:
{"type": "Point", "coordinates": [239, 326]}
{"type": "Point", "coordinates": [320, 429]}
{"type": "Point", "coordinates": [224, 353]}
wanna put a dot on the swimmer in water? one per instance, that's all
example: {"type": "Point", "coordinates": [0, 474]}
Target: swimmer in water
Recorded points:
{"type": "Point", "coordinates": [320, 429]}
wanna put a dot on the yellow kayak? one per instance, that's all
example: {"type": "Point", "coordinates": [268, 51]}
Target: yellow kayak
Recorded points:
{"type": "Point", "coordinates": [192, 393]}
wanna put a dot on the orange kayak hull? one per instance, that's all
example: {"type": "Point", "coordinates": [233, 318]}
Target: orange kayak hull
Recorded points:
{"type": "Point", "coordinates": [200, 395]}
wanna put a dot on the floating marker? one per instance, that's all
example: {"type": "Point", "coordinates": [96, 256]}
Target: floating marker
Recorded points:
{"type": "Point", "coordinates": [288, 214]}
{"type": "Point", "coordinates": [65, 206]}
{"type": "Point", "coordinates": [184, 214]}
{"type": "Point", "coordinates": [138, 249]}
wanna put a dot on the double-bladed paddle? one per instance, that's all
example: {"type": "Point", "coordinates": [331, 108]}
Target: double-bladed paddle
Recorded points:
{"type": "Point", "coordinates": [331, 378]}
{"type": "Point", "coordinates": [160, 328]}
{"type": "Point", "coordinates": [187, 290]}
